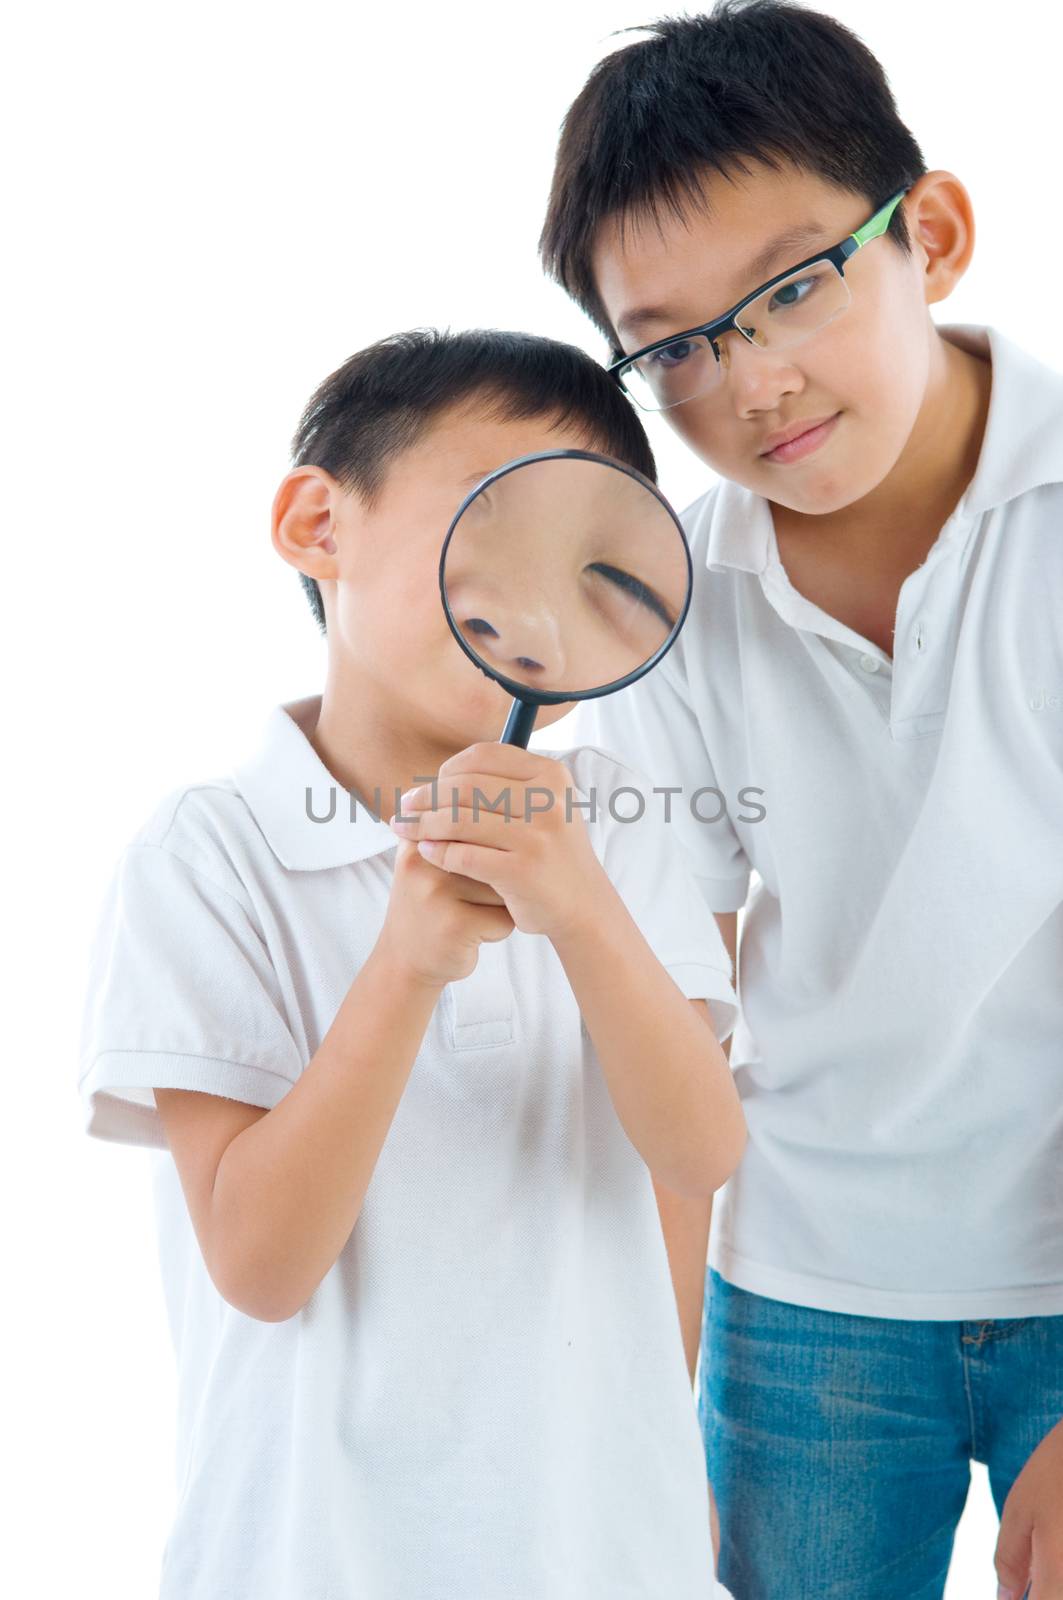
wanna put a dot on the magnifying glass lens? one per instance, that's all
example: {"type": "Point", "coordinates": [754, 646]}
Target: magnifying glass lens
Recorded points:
{"type": "Point", "coordinates": [564, 574]}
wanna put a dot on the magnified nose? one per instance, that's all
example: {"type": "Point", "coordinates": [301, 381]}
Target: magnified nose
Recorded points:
{"type": "Point", "coordinates": [563, 573]}
{"type": "Point", "coordinates": [519, 641]}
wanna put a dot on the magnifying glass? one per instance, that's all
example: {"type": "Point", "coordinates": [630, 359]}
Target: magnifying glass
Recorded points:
{"type": "Point", "coordinates": [564, 575]}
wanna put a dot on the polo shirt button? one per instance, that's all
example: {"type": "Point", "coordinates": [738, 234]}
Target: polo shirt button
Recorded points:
{"type": "Point", "coordinates": [869, 663]}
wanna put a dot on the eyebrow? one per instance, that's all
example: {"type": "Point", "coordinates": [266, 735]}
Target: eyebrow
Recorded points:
{"type": "Point", "coordinates": [760, 266]}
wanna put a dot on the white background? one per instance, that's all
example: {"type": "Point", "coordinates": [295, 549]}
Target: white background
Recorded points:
{"type": "Point", "coordinates": [210, 207]}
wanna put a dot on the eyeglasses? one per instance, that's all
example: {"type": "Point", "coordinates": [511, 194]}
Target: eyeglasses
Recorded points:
{"type": "Point", "coordinates": [781, 313]}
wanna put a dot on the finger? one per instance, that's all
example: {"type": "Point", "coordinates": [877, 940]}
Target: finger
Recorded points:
{"type": "Point", "coordinates": [470, 860]}
{"type": "Point", "coordinates": [477, 894]}
{"type": "Point", "coordinates": [489, 828]}
{"type": "Point", "coordinates": [499, 760]}
{"type": "Point", "coordinates": [496, 924]}
{"type": "Point", "coordinates": [1046, 1562]}
{"type": "Point", "coordinates": [1012, 1555]}
{"type": "Point", "coordinates": [470, 889]}
{"type": "Point", "coordinates": [479, 791]}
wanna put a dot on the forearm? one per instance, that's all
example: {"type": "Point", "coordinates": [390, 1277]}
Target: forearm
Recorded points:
{"type": "Point", "coordinates": [289, 1188]}
{"type": "Point", "coordinates": [685, 1223]}
{"type": "Point", "coordinates": [668, 1077]}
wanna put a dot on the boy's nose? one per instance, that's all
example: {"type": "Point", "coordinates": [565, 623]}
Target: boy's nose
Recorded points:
{"type": "Point", "coordinates": [524, 644]}
{"type": "Point", "coordinates": [754, 375]}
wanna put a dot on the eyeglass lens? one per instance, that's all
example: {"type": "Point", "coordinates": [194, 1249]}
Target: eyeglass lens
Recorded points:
{"type": "Point", "coordinates": [782, 316]}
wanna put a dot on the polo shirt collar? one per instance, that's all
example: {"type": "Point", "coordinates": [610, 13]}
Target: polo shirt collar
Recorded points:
{"type": "Point", "coordinates": [282, 778]}
{"type": "Point", "coordinates": [1022, 448]}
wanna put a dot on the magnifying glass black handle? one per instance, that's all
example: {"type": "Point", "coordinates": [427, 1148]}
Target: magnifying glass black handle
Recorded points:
{"type": "Point", "coordinates": [519, 724]}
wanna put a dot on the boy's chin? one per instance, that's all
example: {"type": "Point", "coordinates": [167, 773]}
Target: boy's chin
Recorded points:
{"type": "Point", "coordinates": [478, 719]}
{"type": "Point", "coordinates": [811, 504]}
{"type": "Point", "coordinates": [812, 495]}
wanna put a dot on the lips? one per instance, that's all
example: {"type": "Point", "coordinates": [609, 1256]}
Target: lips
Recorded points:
{"type": "Point", "coordinates": [801, 439]}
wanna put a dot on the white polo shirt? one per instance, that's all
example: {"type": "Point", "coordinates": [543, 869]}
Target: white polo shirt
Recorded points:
{"type": "Point", "coordinates": [900, 1045]}
{"type": "Point", "coordinates": [486, 1397]}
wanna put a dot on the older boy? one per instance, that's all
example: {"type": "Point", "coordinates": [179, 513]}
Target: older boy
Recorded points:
{"type": "Point", "coordinates": [871, 674]}
{"type": "Point", "coordinates": [414, 1089]}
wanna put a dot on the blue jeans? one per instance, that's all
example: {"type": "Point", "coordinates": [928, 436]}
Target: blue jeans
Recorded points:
{"type": "Point", "coordinates": [839, 1447]}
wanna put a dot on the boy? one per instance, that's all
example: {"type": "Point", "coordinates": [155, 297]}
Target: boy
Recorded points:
{"type": "Point", "coordinates": [874, 654]}
{"type": "Point", "coordinates": [414, 1080]}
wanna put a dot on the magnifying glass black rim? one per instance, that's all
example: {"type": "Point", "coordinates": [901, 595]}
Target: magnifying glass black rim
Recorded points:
{"type": "Point", "coordinates": [555, 697]}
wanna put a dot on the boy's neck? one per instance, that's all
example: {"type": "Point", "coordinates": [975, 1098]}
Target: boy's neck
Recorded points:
{"type": "Point", "coordinates": [891, 529]}
{"type": "Point", "coordinates": [365, 749]}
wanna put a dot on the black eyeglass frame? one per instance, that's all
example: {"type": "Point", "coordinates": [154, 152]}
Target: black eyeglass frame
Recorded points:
{"type": "Point", "coordinates": [837, 255]}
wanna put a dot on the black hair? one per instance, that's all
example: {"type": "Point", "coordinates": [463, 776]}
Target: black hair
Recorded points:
{"type": "Point", "coordinates": [760, 80]}
{"type": "Point", "coordinates": [385, 397]}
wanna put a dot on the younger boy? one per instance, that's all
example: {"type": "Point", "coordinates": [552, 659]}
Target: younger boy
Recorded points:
{"type": "Point", "coordinates": [417, 1090]}
{"type": "Point", "coordinates": [871, 674]}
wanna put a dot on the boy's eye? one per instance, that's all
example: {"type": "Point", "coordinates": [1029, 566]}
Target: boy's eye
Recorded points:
{"type": "Point", "coordinates": [792, 294]}
{"type": "Point", "coordinates": [634, 588]}
{"type": "Point", "coordinates": [673, 354]}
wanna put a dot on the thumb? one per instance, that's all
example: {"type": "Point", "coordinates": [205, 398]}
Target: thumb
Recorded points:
{"type": "Point", "coordinates": [1013, 1554]}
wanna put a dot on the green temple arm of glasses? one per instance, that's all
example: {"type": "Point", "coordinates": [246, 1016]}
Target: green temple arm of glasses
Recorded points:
{"type": "Point", "coordinates": [877, 224]}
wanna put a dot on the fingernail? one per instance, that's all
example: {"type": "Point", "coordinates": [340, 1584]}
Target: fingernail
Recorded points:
{"type": "Point", "coordinates": [1005, 1594]}
{"type": "Point", "coordinates": [411, 794]}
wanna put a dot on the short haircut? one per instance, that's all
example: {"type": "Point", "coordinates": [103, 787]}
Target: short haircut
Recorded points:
{"type": "Point", "coordinates": [761, 80]}
{"type": "Point", "coordinates": [385, 397]}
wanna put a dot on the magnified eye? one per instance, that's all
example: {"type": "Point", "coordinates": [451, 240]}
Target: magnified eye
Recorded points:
{"type": "Point", "coordinates": [635, 588]}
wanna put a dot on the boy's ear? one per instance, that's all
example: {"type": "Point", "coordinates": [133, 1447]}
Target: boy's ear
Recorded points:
{"type": "Point", "coordinates": [304, 521]}
{"type": "Point", "coordinates": [940, 221]}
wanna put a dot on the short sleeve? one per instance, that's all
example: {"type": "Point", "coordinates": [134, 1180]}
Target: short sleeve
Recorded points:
{"type": "Point", "coordinates": [181, 994]}
{"type": "Point", "coordinates": [651, 726]}
{"type": "Point", "coordinates": [649, 870]}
